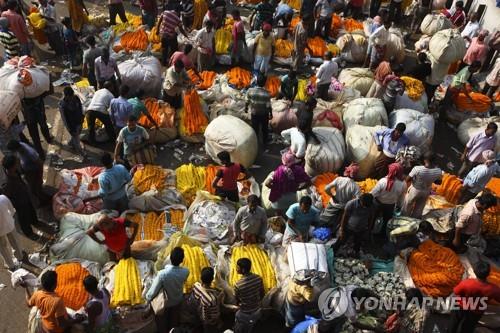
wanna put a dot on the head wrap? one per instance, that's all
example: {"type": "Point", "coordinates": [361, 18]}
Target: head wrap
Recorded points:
{"type": "Point", "coordinates": [4, 23]}
{"type": "Point", "coordinates": [395, 172]}
{"type": "Point", "coordinates": [267, 27]}
{"type": "Point", "coordinates": [352, 170]}
{"type": "Point", "coordinates": [288, 159]}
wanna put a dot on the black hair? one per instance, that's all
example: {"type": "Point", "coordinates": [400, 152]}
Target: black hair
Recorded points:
{"type": "Point", "coordinates": [124, 89]}
{"type": "Point", "coordinates": [49, 281]}
{"type": "Point", "coordinates": [482, 270]}
{"type": "Point", "coordinates": [366, 199]}
{"type": "Point", "coordinates": [493, 126]}
{"type": "Point", "coordinates": [90, 283]}
{"type": "Point", "coordinates": [90, 40]}
{"type": "Point", "coordinates": [475, 64]}
{"type": "Point", "coordinates": [292, 73]}
{"type": "Point", "coordinates": [329, 55]}
{"type": "Point", "coordinates": [132, 118]}
{"type": "Point", "coordinates": [188, 48]}
{"type": "Point", "coordinates": [11, 4]}
{"type": "Point", "coordinates": [422, 57]}
{"type": "Point", "coordinates": [224, 157]}
{"type": "Point", "coordinates": [177, 256]}
{"type": "Point", "coordinates": [108, 85]}
{"type": "Point", "coordinates": [306, 200]}
{"type": "Point", "coordinates": [252, 198]}
{"type": "Point", "coordinates": [305, 119]}
{"type": "Point", "coordinates": [401, 127]}
{"type": "Point", "coordinates": [139, 94]}
{"type": "Point", "coordinates": [487, 200]}
{"type": "Point", "coordinates": [207, 275]}
{"type": "Point", "coordinates": [235, 12]}
{"type": "Point", "coordinates": [107, 160]}
{"type": "Point", "coordinates": [68, 91]}
{"type": "Point", "coordinates": [360, 293]}
{"type": "Point", "coordinates": [261, 80]}
{"type": "Point", "coordinates": [9, 161]}
{"type": "Point", "coordinates": [209, 24]}
{"type": "Point", "coordinates": [179, 63]}
{"type": "Point", "coordinates": [459, 4]}
{"type": "Point", "coordinates": [429, 156]}
{"type": "Point", "coordinates": [244, 264]}
{"type": "Point", "coordinates": [13, 145]}
{"type": "Point", "coordinates": [66, 21]}
{"type": "Point", "coordinates": [105, 51]}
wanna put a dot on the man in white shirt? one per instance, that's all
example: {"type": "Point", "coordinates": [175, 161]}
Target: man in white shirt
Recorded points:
{"type": "Point", "coordinates": [471, 29]}
{"type": "Point", "coordinates": [378, 41]}
{"type": "Point", "coordinates": [99, 109]}
{"type": "Point", "coordinates": [8, 234]}
{"type": "Point", "coordinates": [204, 42]}
{"type": "Point", "coordinates": [326, 71]}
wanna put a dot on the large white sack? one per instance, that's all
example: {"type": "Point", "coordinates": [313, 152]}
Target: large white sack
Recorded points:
{"type": "Point", "coordinates": [365, 111]}
{"type": "Point", "coordinates": [231, 134]}
{"type": "Point", "coordinates": [73, 241]}
{"type": "Point", "coordinates": [438, 72]}
{"type": "Point", "coordinates": [40, 81]}
{"type": "Point", "coordinates": [10, 105]}
{"type": "Point", "coordinates": [360, 79]}
{"type": "Point", "coordinates": [447, 46]}
{"type": "Point", "coordinates": [432, 23]}
{"type": "Point", "coordinates": [305, 258]}
{"type": "Point", "coordinates": [328, 156]}
{"type": "Point", "coordinates": [422, 44]}
{"type": "Point", "coordinates": [328, 114]}
{"type": "Point", "coordinates": [419, 126]}
{"type": "Point", "coordinates": [470, 127]}
{"type": "Point", "coordinates": [361, 148]}
{"type": "Point", "coordinates": [284, 115]}
{"type": "Point", "coordinates": [395, 46]}
{"type": "Point", "coordinates": [405, 102]}
{"type": "Point", "coordinates": [353, 47]}
{"type": "Point", "coordinates": [142, 73]}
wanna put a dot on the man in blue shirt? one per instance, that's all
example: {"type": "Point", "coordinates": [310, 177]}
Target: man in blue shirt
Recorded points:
{"type": "Point", "coordinates": [300, 218]}
{"type": "Point", "coordinates": [120, 109]}
{"type": "Point", "coordinates": [112, 185]}
{"type": "Point", "coordinates": [389, 142]}
{"type": "Point", "coordinates": [171, 280]}
{"type": "Point", "coordinates": [477, 178]}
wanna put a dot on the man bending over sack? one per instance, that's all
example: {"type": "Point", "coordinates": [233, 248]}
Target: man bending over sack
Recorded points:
{"type": "Point", "coordinates": [115, 235]}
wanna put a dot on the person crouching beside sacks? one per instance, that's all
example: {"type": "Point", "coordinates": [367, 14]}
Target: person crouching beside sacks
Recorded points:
{"type": "Point", "coordinates": [176, 81]}
{"type": "Point", "coordinates": [134, 140]}
{"type": "Point", "coordinates": [389, 141]}
{"type": "Point", "coordinates": [250, 223]}
{"type": "Point", "coordinates": [115, 234]}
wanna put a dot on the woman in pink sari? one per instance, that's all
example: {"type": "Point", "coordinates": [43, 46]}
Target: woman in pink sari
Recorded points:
{"type": "Point", "coordinates": [285, 181]}
{"type": "Point", "coordinates": [239, 45]}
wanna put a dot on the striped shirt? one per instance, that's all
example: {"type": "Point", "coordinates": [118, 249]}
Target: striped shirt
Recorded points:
{"type": "Point", "coordinates": [249, 291]}
{"type": "Point", "coordinates": [187, 7]}
{"type": "Point", "coordinates": [259, 100]}
{"type": "Point", "coordinates": [103, 71]}
{"type": "Point", "coordinates": [422, 177]}
{"type": "Point", "coordinates": [10, 43]}
{"type": "Point", "coordinates": [169, 22]}
{"type": "Point", "coordinates": [209, 301]}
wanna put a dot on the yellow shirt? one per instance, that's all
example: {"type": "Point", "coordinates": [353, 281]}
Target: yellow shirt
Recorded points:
{"type": "Point", "coordinates": [264, 45]}
{"type": "Point", "coordinates": [299, 294]}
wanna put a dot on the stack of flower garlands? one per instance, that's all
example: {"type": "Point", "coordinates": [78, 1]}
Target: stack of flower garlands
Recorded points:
{"type": "Point", "coordinates": [70, 286]}
{"type": "Point", "coordinates": [320, 183]}
{"type": "Point", "coordinates": [206, 81]}
{"type": "Point", "coordinates": [222, 41]}
{"type": "Point", "coordinates": [239, 77]}
{"type": "Point", "coordinates": [351, 25]}
{"type": "Point", "coordinates": [435, 269]}
{"type": "Point", "coordinates": [149, 177]}
{"type": "Point", "coordinates": [413, 87]}
{"type": "Point", "coordinates": [273, 85]}
{"type": "Point", "coordinates": [194, 260]}
{"type": "Point", "coordinates": [479, 103]}
{"type": "Point", "coordinates": [133, 41]}
{"type": "Point", "coordinates": [317, 46]}
{"type": "Point", "coordinates": [193, 120]}
{"type": "Point", "coordinates": [155, 39]}
{"type": "Point", "coordinates": [128, 285]}
{"type": "Point", "coordinates": [190, 179]}
{"type": "Point", "coordinates": [491, 218]}
{"type": "Point", "coordinates": [150, 225]}
{"type": "Point", "coordinates": [450, 188]}
{"type": "Point", "coordinates": [284, 48]}
{"type": "Point", "coordinates": [261, 265]}
{"type": "Point", "coordinates": [200, 9]}
{"type": "Point", "coordinates": [162, 113]}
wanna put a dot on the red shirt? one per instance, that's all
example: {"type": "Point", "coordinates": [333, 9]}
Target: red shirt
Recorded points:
{"type": "Point", "coordinates": [149, 6]}
{"type": "Point", "coordinates": [476, 288]}
{"type": "Point", "coordinates": [116, 239]}
{"type": "Point", "coordinates": [229, 176]}
{"type": "Point", "coordinates": [17, 25]}
{"type": "Point", "coordinates": [357, 3]}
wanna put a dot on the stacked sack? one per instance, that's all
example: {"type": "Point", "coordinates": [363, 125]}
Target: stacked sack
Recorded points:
{"type": "Point", "coordinates": [142, 73]}
{"type": "Point", "coordinates": [360, 79]}
{"type": "Point", "coordinates": [419, 126]}
{"type": "Point", "coordinates": [23, 76]}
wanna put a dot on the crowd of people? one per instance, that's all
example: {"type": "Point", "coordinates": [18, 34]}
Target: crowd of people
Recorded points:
{"type": "Point", "coordinates": [351, 216]}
